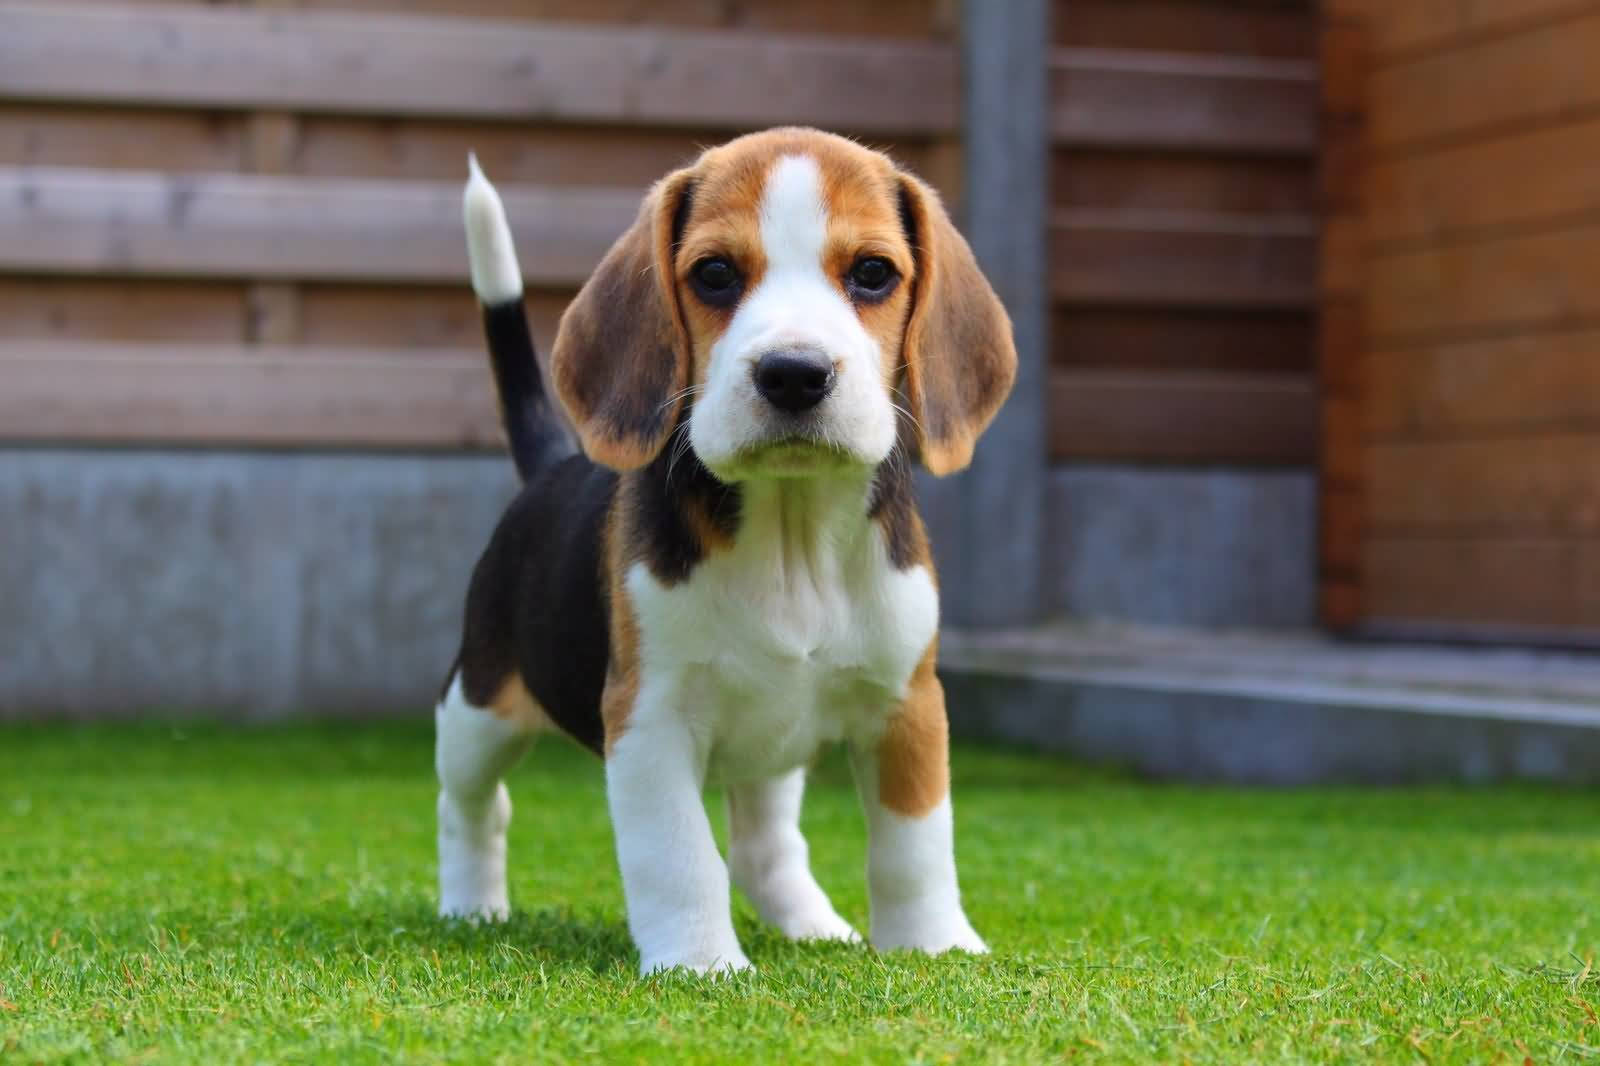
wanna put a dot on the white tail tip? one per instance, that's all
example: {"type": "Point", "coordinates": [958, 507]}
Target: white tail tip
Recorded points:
{"type": "Point", "coordinates": [496, 278]}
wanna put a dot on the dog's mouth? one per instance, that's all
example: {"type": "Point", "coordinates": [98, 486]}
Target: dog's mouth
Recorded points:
{"type": "Point", "coordinates": [793, 456]}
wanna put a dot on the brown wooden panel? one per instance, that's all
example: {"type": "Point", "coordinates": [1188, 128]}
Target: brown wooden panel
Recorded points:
{"type": "Point", "coordinates": [1523, 280]}
{"type": "Point", "coordinates": [1340, 531]}
{"type": "Point", "coordinates": [293, 396]}
{"type": "Point", "coordinates": [1341, 347]}
{"type": "Point", "coordinates": [385, 64]}
{"type": "Point", "coordinates": [1160, 181]}
{"type": "Point", "coordinates": [433, 150]}
{"type": "Point", "coordinates": [46, 135]}
{"type": "Point", "coordinates": [1339, 603]}
{"type": "Point", "coordinates": [1497, 83]}
{"type": "Point", "coordinates": [889, 18]}
{"type": "Point", "coordinates": [1527, 382]}
{"type": "Point", "coordinates": [1537, 583]}
{"type": "Point", "coordinates": [1419, 198]}
{"type": "Point", "coordinates": [1342, 442]}
{"type": "Point", "coordinates": [1156, 339]}
{"type": "Point", "coordinates": [1185, 27]}
{"type": "Point", "coordinates": [1345, 68]}
{"type": "Point", "coordinates": [84, 308]}
{"type": "Point", "coordinates": [1187, 418]}
{"type": "Point", "coordinates": [1342, 255]}
{"type": "Point", "coordinates": [1546, 483]}
{"type": "Point", "coordinates": [421, 317]}
{"type": "Point", "coordinates": [79, 221]}
{"type": "Point", "coordinates": [1123, 258]}
{"type": "Point", "coordinates": [1417, 25]}
{"type": "Point", "coordinates": [1161, 100]}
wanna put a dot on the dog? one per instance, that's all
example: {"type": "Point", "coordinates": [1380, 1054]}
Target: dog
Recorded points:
{"type": "Point", "coordinates": [732, 573]}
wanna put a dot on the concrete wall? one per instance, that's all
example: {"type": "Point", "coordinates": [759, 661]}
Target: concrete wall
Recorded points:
{"type": "Point", "coordinates": [258, 583]}
{"type": "Point", "coordinates": [251, 583]}
{"type": "Point", "coordinates": [1182, 547]}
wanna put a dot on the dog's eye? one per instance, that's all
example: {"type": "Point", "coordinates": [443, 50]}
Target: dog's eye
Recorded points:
{"type": "Point", "coordinates": [872, 277]}
{"type": "Point", "coordinates": [716, 279]}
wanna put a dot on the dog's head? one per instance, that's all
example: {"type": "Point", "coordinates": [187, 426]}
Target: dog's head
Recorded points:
{"type": "Point", "coordinates": [778, 300]}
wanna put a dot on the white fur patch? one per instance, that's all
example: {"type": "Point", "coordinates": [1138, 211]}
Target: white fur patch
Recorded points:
{"type": "Point", "coordinates": [800, 634]}
{"type": "Point", "coordinates": [795, 305]}
{"type": "Point", "coordinates": [473, 749]}
{"type": "Point", "coordinates": [496, 277]}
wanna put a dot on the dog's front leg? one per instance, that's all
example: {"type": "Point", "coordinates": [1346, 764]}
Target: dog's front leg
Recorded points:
{"type": "Point", "coordinates": [673, 878]}
{"type": "Point", "coordinates": [904, 783]}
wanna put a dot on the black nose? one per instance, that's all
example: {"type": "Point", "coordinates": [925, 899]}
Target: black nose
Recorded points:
{"type": "Point", "coordinates": [794, 379]}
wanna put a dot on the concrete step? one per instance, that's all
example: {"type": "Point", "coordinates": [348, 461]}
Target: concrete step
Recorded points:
{"type": "Point", "coordinates": [1277, 708]}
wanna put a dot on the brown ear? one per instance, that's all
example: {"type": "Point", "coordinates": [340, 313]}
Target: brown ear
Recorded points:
{"type": "Point", "coordinates": [959, 356]}
{"type": "Point", "coordinates": [620, 364]}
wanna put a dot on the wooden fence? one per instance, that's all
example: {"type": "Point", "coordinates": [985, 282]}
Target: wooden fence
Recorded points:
{"type": "Point", "coordinates": [1465, 436]}
{"type": "Point", "coordinates": [238, 224]}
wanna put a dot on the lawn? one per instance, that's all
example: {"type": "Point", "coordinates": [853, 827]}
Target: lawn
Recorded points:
{"type": "Point", "coordinates": [197, 894]}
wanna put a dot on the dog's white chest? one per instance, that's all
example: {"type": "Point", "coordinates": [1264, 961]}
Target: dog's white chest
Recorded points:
{"type": "Point", "coordinates": [770, 662]}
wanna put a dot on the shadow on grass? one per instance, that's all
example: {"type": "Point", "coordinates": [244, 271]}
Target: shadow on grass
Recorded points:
{"type": "Point", "coordinates": [338, 936]}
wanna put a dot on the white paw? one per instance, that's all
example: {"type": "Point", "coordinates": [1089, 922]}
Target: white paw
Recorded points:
{"type": "Point", "coordinates": [714, 965]}
{"type": "Point", "coordinates": [817, 925]}
{"type": "Point", "coordinates": [932, 934]}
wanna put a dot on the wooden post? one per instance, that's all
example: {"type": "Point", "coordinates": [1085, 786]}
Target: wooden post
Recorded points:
{"type": "Point", "coordinates": [987, 523]}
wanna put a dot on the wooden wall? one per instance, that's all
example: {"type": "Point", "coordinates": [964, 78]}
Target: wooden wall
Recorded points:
{"type": "Point", "coordinates": [236, 223]}
{"type": "Point", "coordinates": [1185, 233]}
{"type": "Point", "coordinates": [1465, 447]}
{"type": "Point", "coordinates": [239, 223]}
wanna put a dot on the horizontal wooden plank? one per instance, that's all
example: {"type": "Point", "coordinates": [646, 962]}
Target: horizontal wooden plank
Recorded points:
{"type": "Point", "coordinates": [128, 139]}
{"type": "Point", "coordinates": [341, 63]}
{"type": "Point", "coordinates": [1182, 418]}
{"type": "Point", "coordinates": [423, 316]}
{"type": "Point", "coordinates": [1185, 27]}
{"type": "Point", "coordinates": [1538, 585]}
{"type": "Point", "coordinates": [1200, 103]}
{"type": "Point", "coordinates": [1181, 259]}
{"type": "Point", "coordinates": [1488, 85]}
{"type": "Point", "coordinates": [1162, 181]}
{"type": "Point", "coordinates": [1458, 190]}
{"type": "Point", "coordinates": [1156, 339]}
{"type": "Point", "coordinates": [327, 61]}
{"type": "Point", "coordinates": [890, 18]}
{"type": "Point", "coordinates": [135, 310]}
{"type": "Point", "coordinates": [1403, 30]}
{"type": "Point", "coordinates": [1526, 383]}
{"type": "Point", "coordinates": [89, 222]}
{"type": "Point", "coordinates": [237, 395]}
{"type": "Point", "coordinates": [1523, 280]}
{"type": "Point", "coordinates": [1523, 484]}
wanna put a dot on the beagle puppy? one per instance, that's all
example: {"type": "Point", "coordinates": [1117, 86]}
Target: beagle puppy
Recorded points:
{"type": "Point", "coordinates": [733, 572]}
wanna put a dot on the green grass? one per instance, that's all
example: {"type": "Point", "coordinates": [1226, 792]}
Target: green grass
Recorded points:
{"type": "Point", "coordinates": [205, 895]}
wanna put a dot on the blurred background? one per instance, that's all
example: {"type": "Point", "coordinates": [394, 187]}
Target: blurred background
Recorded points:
{"type": "Point", "coordinates": [1302, 475]}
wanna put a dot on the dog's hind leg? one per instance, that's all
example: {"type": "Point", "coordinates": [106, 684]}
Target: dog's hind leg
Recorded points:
{"type": "Point", "coordinates": [473, 749]}
{"type": "Point", "coordinates": [769, 861]}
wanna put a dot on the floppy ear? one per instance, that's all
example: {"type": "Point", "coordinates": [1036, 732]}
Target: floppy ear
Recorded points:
{"type": "Point", "coordinates": [620, 364]}
{"type": "Point", "coordinates": [959, 357]}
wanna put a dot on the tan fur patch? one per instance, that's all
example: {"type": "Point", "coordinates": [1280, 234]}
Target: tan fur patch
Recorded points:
{"type": "Point", "coordinates": [914, 754]}
{"type": "Point", "coordinates": [513, 702]}
{"type": "Point", "coordinates": [622, 668]}
{"type": "Point", "coordinates": [959, 353]}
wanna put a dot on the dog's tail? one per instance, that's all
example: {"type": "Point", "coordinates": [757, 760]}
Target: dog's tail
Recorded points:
{"type": "Point", "coordinates": [532, 426]}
